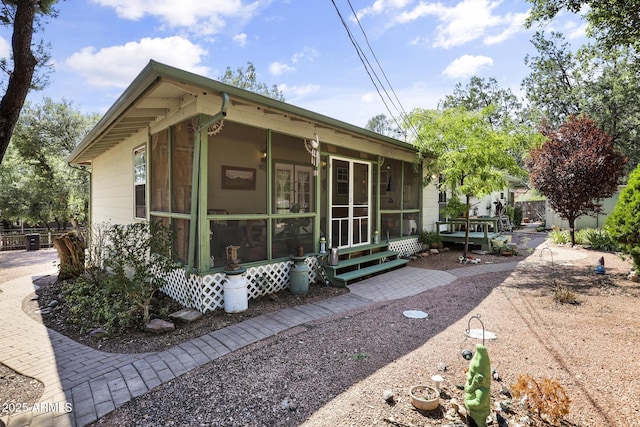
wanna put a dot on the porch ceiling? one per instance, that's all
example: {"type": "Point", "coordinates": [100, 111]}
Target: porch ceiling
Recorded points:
{"type": "Point", "coordinates": [160, 99]}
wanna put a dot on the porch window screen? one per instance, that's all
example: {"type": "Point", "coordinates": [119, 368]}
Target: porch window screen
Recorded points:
{"type": "Point", "coordinates": [140, 182]}
{"type": "Point", "coordinates": [159, 162]}
{"type": "Point", "coordinates": [400, 187]}
{"type": "Point", "coordinates": [182, 165]}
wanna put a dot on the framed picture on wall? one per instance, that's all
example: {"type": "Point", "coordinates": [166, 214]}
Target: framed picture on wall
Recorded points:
{"type": "Point", "coordinates": [238, 178]}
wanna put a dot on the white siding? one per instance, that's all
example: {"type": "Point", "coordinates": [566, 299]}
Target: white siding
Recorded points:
{"type": "Point", "coordinates": [553, 220]}
{"type": "Point", "coordinates": [112, 183]}
{"type": "Point", "coordinates": [430, 207]}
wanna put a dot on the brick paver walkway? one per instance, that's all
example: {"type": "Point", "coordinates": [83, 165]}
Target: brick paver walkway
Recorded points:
{"type": "Point", "coordinates": [92, 383]}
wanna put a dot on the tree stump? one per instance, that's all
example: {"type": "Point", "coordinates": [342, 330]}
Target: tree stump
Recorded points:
{"type": "Point", "coordinates": [70, 249]}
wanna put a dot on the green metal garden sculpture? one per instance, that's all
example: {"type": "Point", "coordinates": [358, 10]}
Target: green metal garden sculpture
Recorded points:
{"type": "Point", "coordinates": [477, 398]}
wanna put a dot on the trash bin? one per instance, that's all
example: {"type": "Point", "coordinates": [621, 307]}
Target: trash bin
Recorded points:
{"type": "Point", "coordinates": [32, 242]}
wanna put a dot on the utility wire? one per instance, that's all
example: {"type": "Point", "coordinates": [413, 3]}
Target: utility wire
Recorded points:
{"type": "Point", "coordinates": [362, 57]}
{"type": "Point", "coordinates": [371, 72]}
{"type": "Point", "coordinates": [402, 111]}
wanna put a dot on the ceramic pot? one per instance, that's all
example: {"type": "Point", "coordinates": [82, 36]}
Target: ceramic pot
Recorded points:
{"type": "Point", "coordinates": [424, 397]}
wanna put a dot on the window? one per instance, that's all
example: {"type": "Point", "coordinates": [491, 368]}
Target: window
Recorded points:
{"type": "Point", "coordinates": [140, 182]}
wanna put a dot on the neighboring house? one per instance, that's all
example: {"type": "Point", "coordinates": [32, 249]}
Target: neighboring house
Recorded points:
{"type": "Point", "coordinates": [227, 167]}
{"type": "Point", "coordinates": [552, 219]}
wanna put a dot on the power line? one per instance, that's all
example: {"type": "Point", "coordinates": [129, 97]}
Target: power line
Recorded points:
{"type": "Point", "coordinates": [373, 76]}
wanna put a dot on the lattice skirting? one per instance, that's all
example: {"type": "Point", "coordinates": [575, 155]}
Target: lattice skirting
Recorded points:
{"type": "Point", "coordinates": [406, 246]}
{"type": "Point", "coordinates": [205, 293]}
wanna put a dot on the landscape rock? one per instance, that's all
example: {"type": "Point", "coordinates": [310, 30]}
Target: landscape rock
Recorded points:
{"type": "Point", "coordinates": [53, 303]}
{"type": "Point", "coordinates": [98, 332]}
{"type": "Point", "coordinates": [159, 326]}
{"type": "Point", "coordinates": [187, 315]}
{"type": "Point", "coordinates": [434, 251]}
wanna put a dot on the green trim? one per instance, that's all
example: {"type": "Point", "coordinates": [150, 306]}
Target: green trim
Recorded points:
{"type": "Point", "coordinates": [195, 180]}
{"type": "Point", "coordinates": [203, 224]}
{"type": "Point", "coordinates": [155, 73]}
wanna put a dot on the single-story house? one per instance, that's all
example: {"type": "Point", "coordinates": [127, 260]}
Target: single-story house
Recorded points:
{"type": "Point", "coordinates": [231, 168]}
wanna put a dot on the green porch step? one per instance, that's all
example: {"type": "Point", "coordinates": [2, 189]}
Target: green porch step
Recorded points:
{"type": "Point", "coordinates": [361, 260]}
{"type": "Point", "coordinates": [367, 271]}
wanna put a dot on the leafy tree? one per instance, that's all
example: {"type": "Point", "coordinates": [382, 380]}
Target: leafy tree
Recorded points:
{"type": "Point", "coordinates": [479, 94]}
{"type": "Point", "coordinates": [575, 168]}
{"type": "Point", "coordinates": [384, 126]}
{"type": "Point", "coordinates": [248, 79]}
{"type": "Point", "coordinates": [623, 224]}
{"type": "Point", "coordinates": [599, 83]}
{"type": "Point", "coordinates": [553, 87]}
{"type": "Point", "coordinates": [610, 96]}
{"type": "Point", "coordinates": [36, 183]}
{"type": "Point", "coordinates": [612, 23]}
{"type": "Point", "coordinates": [23, 16]}
{"type": "Point", "coordinates": [463, 148]}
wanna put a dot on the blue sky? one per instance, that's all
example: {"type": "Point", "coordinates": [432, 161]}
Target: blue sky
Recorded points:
{"type": "Point", "coordinates": [423, 47]}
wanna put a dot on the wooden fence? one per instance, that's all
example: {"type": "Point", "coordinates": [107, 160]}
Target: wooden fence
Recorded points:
{"type": "Point", "coordinates": [15, 240]}
{"type": "Point", "coordinates": [533, 211]}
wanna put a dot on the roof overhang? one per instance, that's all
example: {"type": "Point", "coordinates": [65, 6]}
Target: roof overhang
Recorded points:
{"type": "Point", "coordinates": [159, 90]}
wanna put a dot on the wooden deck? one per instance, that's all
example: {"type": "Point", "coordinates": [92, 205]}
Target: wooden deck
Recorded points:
{"type": "Point", "coordinates": [482, 231]}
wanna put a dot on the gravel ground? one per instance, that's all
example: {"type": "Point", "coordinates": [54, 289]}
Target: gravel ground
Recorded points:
{"type": "Point", "coordinates": [334, 372]}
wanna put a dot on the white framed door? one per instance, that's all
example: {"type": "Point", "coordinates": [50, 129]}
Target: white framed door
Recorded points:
{"type": "Point", "coordinates": [350, 202]}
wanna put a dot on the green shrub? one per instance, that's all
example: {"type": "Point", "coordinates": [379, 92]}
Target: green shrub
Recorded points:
{"type": "Point", "coordinates": [88, 306]}
{"type": "Point", "coordinates": [429, 238]}
{"type": "Point", "coordinates": [517, 216]}
{"type": "Point", "coordinates": [623, 224]}
{"type": "Point", "coordinates": [560, 236]}
{"type": "Point", "coordinates": [139, 256]}
{"type": "Point", "coordinates": [581, 237]}
{"type": "Point", "coordinates": [599, 239]}
{"type": "Point", "coordinates": [127, 266]}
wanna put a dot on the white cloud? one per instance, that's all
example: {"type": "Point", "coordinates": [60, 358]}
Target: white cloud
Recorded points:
{"type": "Point", "coordinates": [419, 41]}
{"type": "Point", "coordinates": [514, 23]}
{"type": "Point", "coordinates": [466, 21]}
{"type": "Point", "coordinates": [5, 48]}
{"type": "Point", "coordinates": [200, 17]}
{"type": "Point", "coordinates": [574, 30]}
{"type": "Point", "coordinates": [240, 39]}
{"type": "Point", "coordinates": [381, 6]}
{"type": "Point", "coordinates": [116, 66]}
{"type": "Point", "coordinates": [308, 54]}
{"type": "Point", "coordinates": [467, 66]}
{"type": "Point", "coordinates": [298, 91]}
{"type": "Point", "coordinates": [279, 68]}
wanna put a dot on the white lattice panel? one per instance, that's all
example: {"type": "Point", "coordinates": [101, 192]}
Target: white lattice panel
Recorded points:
{"type": "Point", "coordinates": [406, 246]}
{"type": "Point", "coordinates": [184, 288]}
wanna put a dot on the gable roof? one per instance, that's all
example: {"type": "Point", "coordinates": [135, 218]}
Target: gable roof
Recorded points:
{"type": "Point", "coordinates": [159, 89]}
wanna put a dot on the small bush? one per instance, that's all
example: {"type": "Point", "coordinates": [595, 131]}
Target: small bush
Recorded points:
{"type": "Point", "coordinates": [429, 238]}
{"type": "Point", "coordinates": [564, 295]}
{"type": "Point", "coordinates": [547, 398]}
{"type": "Point", "coordinates": [517, 216]}
{"type": "Point", "coordinates": [599, 239]}
{"type": "Point", "coordinates": [560, 236]}
{"type": "Point", "coordinates": [126, 268]}
{"type": "Point", "coordinates": [89, 306]}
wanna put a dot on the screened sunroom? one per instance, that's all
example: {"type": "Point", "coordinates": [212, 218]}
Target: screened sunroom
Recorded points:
{"type": "Point", "coordinates": [229, 168]}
